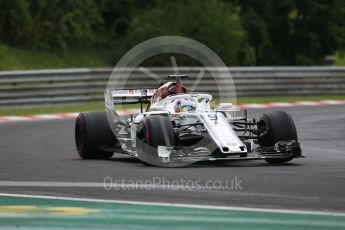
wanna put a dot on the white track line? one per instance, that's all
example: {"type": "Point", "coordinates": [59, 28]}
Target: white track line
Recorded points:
{"type": "Point", "coordinates": [106, 185]}
{"type": "Point", "coordinates": [214, 207]}
{"type": "Point", "coordinates": [109, 184]}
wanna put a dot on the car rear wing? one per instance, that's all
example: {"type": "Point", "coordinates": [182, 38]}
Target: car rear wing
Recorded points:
{"type": "Point", "coordinates": [131, 96]}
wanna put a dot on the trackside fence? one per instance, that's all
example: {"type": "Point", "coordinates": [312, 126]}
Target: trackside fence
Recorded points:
{"type": "Point", "coordinates": [38, 87]}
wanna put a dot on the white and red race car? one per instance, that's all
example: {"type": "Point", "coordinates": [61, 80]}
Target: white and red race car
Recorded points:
{"type": "Point", "coordinates": [179, 128]}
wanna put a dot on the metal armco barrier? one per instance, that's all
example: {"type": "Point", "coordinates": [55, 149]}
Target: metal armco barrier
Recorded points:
{"type": "Point", "coordinates": [61, 86]}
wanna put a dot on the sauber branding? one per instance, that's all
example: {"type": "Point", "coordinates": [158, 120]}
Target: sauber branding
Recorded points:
{"type": "Point", "coordinates": [133, 92]}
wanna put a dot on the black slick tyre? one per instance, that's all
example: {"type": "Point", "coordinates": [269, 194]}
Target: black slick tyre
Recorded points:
{"type": "Point", "coordinates": [92, 131]}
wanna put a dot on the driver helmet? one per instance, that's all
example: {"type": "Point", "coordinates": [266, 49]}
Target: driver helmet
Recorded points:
{"type": "Point", "coordinates": [185, 106]}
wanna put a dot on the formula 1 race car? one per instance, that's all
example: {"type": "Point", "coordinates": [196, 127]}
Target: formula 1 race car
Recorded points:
{"type": "Point", "coordinates": [179, 127]}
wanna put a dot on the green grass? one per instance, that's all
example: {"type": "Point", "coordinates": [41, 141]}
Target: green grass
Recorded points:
{"type": "Point", "coordinates": [97, 106]}
{"type": "Point", "coordinates": [20, 59]}
{"type": "Point", "coordinates": [340, 59]}
{"type": "Point", "coordinates": [12, 58]}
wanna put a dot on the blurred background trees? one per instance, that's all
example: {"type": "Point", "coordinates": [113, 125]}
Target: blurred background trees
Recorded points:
{"type": "Point", "coordinates": [242, 32]}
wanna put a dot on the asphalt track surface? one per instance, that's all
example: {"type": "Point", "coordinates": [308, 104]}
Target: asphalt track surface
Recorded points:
{"type": "Point", "coordinates": [44, 151]}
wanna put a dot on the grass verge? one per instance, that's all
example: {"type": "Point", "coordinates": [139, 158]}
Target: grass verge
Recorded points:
{"type": "Point", "coordinates": [12, 58]}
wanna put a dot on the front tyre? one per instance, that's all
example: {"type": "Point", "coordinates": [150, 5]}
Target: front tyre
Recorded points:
{"type": "Point", "coordinates": [154, 131]}
{"type": "Point", "coordinates": [278, 126]}
{"type": "Point", "coordinates": [92, 132]}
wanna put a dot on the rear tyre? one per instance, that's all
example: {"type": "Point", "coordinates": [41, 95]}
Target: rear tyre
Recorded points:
{"type": "Point", "coordinates": [280, 127]}
{"type": "Point", "coordinates": [154, 131]}
{"type": "Point", "coordinates": [92, 131]}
